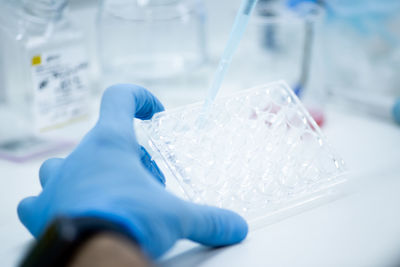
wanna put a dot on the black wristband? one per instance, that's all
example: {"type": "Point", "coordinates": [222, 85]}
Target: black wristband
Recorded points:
{"type": "Point", "coordinates": [64, 236]}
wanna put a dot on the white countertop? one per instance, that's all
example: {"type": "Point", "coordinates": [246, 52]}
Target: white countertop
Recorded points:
{"type": "Point", "coordinates": [362, 229]}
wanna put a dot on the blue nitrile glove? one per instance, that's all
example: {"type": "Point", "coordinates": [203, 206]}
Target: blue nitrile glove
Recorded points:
{"type": "Point", "coordinates": [105, 177]}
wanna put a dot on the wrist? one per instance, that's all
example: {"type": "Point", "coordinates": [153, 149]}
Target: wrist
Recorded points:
{"type": "Point", "coordinates": [65, 236]}
{"type": "Point", "coordinates": [108, 249]}
{"type": "Point", "coordinates": [137, 229]}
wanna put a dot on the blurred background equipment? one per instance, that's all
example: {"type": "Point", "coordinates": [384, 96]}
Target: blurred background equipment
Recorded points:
{"type": "Point", "coordinates": [150, 41]}
{"type": "Point", "coordinates": [321, 48]}
{"type": "Point", "coordinates": [284, 41]}
{"type": "Point", "coordinates": [383, 107]}
{"type": "Point", "coordinates": [363, 46]}
{"type": "Point", "coordinates": [44, 76]}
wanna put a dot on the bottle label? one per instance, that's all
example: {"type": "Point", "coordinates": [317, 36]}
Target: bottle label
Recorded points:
{"type": "Point", "coordinates": [61, 88]}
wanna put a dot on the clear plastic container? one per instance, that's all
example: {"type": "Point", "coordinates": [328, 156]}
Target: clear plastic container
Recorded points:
{"type": "Point", "coordinates": [144, 41]}
{"type": "Point", "coordinates": [44, 82]}
{"type": "Point", "coordinates": [259, 153]}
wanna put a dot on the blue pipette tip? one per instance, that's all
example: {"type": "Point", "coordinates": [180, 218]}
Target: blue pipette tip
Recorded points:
{"type": "Point", "coordinates": [396, 111]}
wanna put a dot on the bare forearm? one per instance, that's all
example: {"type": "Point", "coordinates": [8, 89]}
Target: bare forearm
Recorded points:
{"type": "Point", "coordinates": [105, 250]}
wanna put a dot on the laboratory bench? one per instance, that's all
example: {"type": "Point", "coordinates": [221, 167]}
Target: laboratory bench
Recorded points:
{"type": "Point", "coordinates": [361, 228]}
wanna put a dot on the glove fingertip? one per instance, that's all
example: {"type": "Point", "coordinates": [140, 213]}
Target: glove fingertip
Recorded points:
{"type": "Point", "coordinates": [217, 227]}
{"type": "Point", "coordinates": [148, 105]}
{"type": "Point", "coordinates": [25, 209]}
{"type": "Point", "coordinates": [238, 227]}
{"type": "Point", "coordinates": [48, 169]}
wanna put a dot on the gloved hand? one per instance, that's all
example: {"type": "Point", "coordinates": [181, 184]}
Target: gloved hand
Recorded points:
{"type": "Point", "coordinates": [105, 177]}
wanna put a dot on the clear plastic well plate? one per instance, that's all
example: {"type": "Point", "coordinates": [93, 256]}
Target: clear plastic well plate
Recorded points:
{"type": "Point", "coordinates": [259, 153]}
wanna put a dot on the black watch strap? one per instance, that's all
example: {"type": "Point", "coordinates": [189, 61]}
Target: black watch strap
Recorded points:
{"type": "Point", "coordinates": [63, 237]}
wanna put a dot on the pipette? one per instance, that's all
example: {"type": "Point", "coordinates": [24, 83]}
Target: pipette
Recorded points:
{"type": "Point", "coordinates": [238, 29]}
